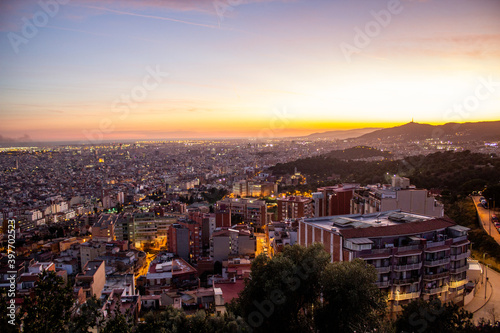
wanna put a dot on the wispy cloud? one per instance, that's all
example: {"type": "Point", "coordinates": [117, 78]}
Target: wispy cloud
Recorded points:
{"type": "Point", "coordinates": [120, 12]}
{"type": "Point", "coordinates": [100, 34]}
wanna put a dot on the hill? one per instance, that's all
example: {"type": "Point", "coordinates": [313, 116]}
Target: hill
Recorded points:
{"type": "Point", "coordinates": [341, 135]}
{"type": "Point", "coordinates": [450, 131]}
{"type": "Point", "coordinates": [457, 172]}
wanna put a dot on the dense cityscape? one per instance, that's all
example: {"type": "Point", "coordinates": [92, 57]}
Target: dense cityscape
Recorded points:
{"type": "Point", "coordinates": [141, 227]}
{"type": "Point", "coordinates": [249, 166]}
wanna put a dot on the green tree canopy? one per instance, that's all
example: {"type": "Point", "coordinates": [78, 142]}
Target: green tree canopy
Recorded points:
{"type": "Point", "coordinates": [281, 291]}
{"type": "Point", "coordinates": [49, 310]}
{"type": "Point", "coordinates": [351, 300]}
{"type": "Point", "coordinates": [434, 317]}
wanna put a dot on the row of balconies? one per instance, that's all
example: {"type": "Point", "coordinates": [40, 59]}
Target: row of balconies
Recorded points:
{"type": "Point", "coordinates": [437, 262]}
{"type": "Point", "coordinates": [436, 290]}
{"type": "Point", "coordinates": [437, 276]}
{"type": "Point", "coordinates": [398, 296]}
{"type": "Point", "coordinates": [460, 256]}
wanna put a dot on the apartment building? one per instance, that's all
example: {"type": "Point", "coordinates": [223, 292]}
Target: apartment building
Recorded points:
{"type": "Point", "coordinates": [250, 210]}
{"type": "Point", "coordinates": [93, 279]}
{"type": "Point", "coordinates": [295, 207]}
{"type": "Point", "coordinates": [333, 200]}
{"type": "Point", "coordinates": [400, 195]}
{"type": "Point", "coordinates": [416, 256]}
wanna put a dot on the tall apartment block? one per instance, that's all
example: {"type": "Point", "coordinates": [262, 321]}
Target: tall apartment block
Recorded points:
{"type": "Point", "coordinates": [252, 211]}
{"type": "Point", "coordinates": [333, 200]}
{"type": "Point", "coordinates": [416, 256]}
{"type": "Point", "coordinates": [295, 207]}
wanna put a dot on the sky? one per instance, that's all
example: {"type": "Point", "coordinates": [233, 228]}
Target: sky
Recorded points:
{"type": "Point", "coordinates": [96, 70]}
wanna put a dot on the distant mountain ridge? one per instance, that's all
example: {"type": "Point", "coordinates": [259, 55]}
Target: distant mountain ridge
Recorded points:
{"type": "Point", "coordinates": [342, 134]}
{"type": "Point", "coordinates": [488, 130]}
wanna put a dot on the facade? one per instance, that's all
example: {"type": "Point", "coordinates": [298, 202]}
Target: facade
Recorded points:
{"type": "Point", "coordinates": [415, 256]}
{"type": "Point", "coordinates": [178, 241]}
{"type": "Point", "coordinates": [245, 188]}
{"type": "Point", "coordinates": [93, 279]}
{"type": "Point", "coordinates": [333, 200]}
{"type": "Point", "coordinates": [143, 227]}
{"type": "Point", "coordinates": [251, 211]}
{"type": "Point", "coordinates": [295, 207]}
{"type": "Point", "coordinates": [377, 198]}
{"type": "Point", "coordinates": [104, 228]}
{"type": "Point", "coordinates": [232, 242]}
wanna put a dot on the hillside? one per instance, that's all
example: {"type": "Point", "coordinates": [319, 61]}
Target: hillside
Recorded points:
{"type": "Point", "coordinates": [451, 131]}
{"type": "Point", "coordinates": [457, 172]}
{"type": "Point", "coordinates": [341, 135]}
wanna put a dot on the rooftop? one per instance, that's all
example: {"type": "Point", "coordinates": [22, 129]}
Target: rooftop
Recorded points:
{"type": "Point", "coordinates": [379, 224]}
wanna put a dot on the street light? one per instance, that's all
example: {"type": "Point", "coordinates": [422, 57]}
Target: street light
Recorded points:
{"type": "Point", "coordinates": [485, 275]}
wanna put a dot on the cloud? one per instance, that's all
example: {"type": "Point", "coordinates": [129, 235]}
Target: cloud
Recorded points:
{"type": "Point", "coordinates": [120, 12]}
{"type": "Point", "coordinates": [24, 138]}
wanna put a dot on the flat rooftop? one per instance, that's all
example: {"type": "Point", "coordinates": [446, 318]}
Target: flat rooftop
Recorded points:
{"type": "Point", "coordinates": [379, 224]}
{"type": "Point", "coordinates": [106, 220]}
{"type": "Point", "coordinates": [91, 267]}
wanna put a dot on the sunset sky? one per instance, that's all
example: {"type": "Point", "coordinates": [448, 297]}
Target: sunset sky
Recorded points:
{"type": "Point", "coordinates": [243, 68]}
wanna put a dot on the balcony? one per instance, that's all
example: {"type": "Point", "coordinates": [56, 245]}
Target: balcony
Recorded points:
{"type": "Point", "coordinates": [459, 269]}
{"type": "Point", "coordinates": [437, 290]}
{"type": "Point", "coordinates": [460, 256]}
{"type": "Point", "coordinates": [408, 248]}
{"type": "Point", "coordinates": [437, 262]}
{"type": "Point", "coordinates": [459, 239]}
{"type": "Point", "coordinates": [400, 282]}
{"type": "Point", "coordinates": [403, 296]}
{"type": "Point", "coordinates": [437, 276]}
{"type": "Point", "coordinates": [435, 244]}
{"type": "Point", "coordinates": [457, 284]}
{"type": "Point", "coordinates": [409, 267]}
{"type": "Point", "coordinates": [383, 284]}
{"type": "Point", "coordinates": [383, 269]}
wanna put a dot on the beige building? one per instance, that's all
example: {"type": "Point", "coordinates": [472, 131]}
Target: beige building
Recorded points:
{"type": "Point", "coordinates": [400, 195]}
{"type": "Point", "coordinates": [93, 279]}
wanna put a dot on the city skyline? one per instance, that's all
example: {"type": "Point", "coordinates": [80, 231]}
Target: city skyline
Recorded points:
{"type": "Point", "coordinates": [117, 70]}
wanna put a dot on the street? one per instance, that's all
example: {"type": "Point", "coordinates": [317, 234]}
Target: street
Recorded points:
{"type": "Point", "coordinates": [491, 311]}
{"type": "Point", "coordinates": [484, 219]}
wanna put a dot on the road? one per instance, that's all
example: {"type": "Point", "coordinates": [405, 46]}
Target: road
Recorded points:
{"type": "Point", "coordinates": [484, 219]}
{"type": "Point", "coordinates": [492, 308]}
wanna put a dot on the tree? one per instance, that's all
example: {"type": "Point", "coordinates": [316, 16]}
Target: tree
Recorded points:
{"type": "Point", "coordinates": [117, 322]}
{"type": "Point", "coordinates": [170, 320]}
{"type": "Point", "coordinates": [6, 320]}
{"type": "Point", "coordinates": [434, 317]}
{"type": "Point", "coordinates": [89, 315]}
{"type": "Point", "coordinates": [281, 291]}
{"type": "Point", "coordinates": [351, 300]}
{"type": "Point", "coordinates": [49, 310]}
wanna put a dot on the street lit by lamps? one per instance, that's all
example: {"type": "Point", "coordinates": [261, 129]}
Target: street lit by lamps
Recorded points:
{"type": "Point", "coordinates": [485, 275]}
